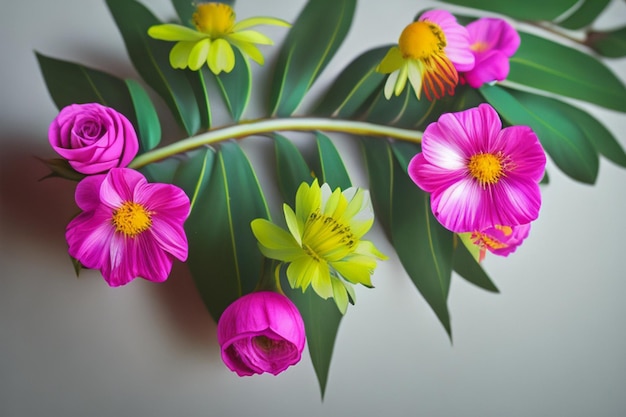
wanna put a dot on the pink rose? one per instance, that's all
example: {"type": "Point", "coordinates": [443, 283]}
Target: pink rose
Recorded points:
{"type": "Point", "coordinates": [93, 138]}
{"type": "Point", "coordinates": [261, 332]}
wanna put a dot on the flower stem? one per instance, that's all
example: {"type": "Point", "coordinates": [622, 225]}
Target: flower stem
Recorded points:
{"type": "Point", "coordinates": [263, 126]}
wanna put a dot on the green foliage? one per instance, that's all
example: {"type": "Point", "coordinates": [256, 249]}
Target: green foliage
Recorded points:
{"type": "Point", "coordinates": [151, 59]}
{"type": "Point", "coordinates": [521, 9]}
{"type": "Point", "coordinates": [610, 43]}
{"type": "Point", "coordinates": [303, 57]}
{"type": "Point", "coordinates": [552, 67]}
{"type": "Point", "coordinates": [225, 193]}
{"type": "Point", "coordinates": [584, 15]}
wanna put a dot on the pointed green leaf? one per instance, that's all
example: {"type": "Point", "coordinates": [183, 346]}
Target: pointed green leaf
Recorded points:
{"type": "Point", "coordinates": [236, 86]}
{"type": "Point", "coordinates": [379, 161]}
{"type": "Point", "coordinates": [59, 167]}
{"type": "Point", "coordinates": [303, 56]}
{"type": "Point", "coordinates": [611, 43]}
{"type": "Point", "coordinates": [546, 65]}
{"type": "Point", "coordinates": [518, 9]}
{"type": "Point", "coordinates": [560, 136]}
{"type": "Point", "coordinates": [162, 171]}
{"type": "Point", "coordinates": [148, 124]}
{"type": "Point", "coordinates": [71, 83]}
{"type": "Point", "coordinates": [332, 170]}
{"type": "Point", "coordinates": [467, 267]}
{"type": "Point", "coordinates": [585, 14]}
{"type": "Point", "coordinates": [596, 133]}
{"type": "Point", "coordinates": [224, 259]}
{"type": "Point", "coordinates": [321, 321]}
{"type": "Point", "coordinates": [186, 8]}
{"type": "Point", "coordinates": [291, 168]}
{"type": "Point", "coordinates": [423, 246]}
{"type": "Point", "coordinates": [199, 81]}
{"type": "Point", "coordinates": [353, 86]}
{"type": "Point", "coordinates": [151, 59]}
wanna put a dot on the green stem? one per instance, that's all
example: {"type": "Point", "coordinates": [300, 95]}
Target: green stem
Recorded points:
{"type": "Point", "coordinates": [273, 125]}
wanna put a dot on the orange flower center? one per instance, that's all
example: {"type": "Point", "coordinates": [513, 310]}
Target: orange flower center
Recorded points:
{"type": "Point", "coordinates": [487, 168]}
{"type": "Point", "coordinates": [479, 46]}
{"type": "Point", "coordinates": [421, 40]}
{"type": "Point", "coordinates": [131, 219]}
{"type": "Point", "coordinates": [214, 19]}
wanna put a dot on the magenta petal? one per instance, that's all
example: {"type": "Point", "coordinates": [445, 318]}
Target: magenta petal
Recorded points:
{"type": "Point", "coordinates": [119, 186]}
{"type": "Point", "coordinates": [170, 237]}
{"type": "Point", "coordinates": [490, 66]}
{"type": "Point", "coordinates": [87, 194]}
{"type": "Point", "coordinates": [261, 332]}
{"type": "Point", "coordinates": [88, 236]}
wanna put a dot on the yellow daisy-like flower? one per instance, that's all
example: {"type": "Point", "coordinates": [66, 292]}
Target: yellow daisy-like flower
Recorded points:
{"type": "Point", "coordinates": [429, 54]}
{"type": "Point", "coordinates": [324, 246]}
{"type": "Point", "coordinates": [215, 35]}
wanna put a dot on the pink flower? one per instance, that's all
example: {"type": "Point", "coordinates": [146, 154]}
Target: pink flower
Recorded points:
{"type": "Point", "coordinates": [493, 41]}
{"type": "Point", "coordinates": [479, 175]}
{"type": "Point", "coordinates": [261, 332]}
{"type": "Point", "coordinates": [93, 138]}
{"type": "Point", "coordinates": [128, 228]}
{"type": "Point", "coordinates": [500, 240]}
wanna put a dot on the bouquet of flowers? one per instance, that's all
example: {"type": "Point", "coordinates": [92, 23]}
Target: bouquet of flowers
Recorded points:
{"type": "Point", "coordinates": [455, 121]}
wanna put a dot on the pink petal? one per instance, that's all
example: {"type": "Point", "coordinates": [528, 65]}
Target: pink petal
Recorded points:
{"type": "Point", "coordinates": [170, 237]}
{"type": "Point", "coordinates": [527, 157]}
{"type": "Point", "coordinates": [490, 66]}
{"type": "Point", "coordinates": [88, 237]}
{"type": "Point", "coordinates": [119, 186]}
{"type": "Point", "coordinates": [87, 194]}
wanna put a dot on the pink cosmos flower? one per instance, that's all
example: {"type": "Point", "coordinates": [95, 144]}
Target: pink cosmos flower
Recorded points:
{"type": "Point", "coordinates": [479, 175]}
{"type": "Point", "coordinates": [128, 228]}
{"type": "Point", "coordinates": [93, 138]}
{"type": "Point", "coordinates": [429, 54]}
{"type": "Point", "coordinates": [493, 41]}
{"type": "Point", "coordinates": [261, 332]}
{"type": "Point", "coordinates": [500, 240]}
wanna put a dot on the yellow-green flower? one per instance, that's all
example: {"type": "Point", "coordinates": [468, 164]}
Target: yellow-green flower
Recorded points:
{"type": "Point", "coordinates": [323, 247]}
{"type": "Point", "coordinates": [215, 35]}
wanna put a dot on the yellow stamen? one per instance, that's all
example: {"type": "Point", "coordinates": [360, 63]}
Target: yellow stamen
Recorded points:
{"type": "Point", "coordinates": [487, 168]}
{"type": "Point", "coordinates": [131, 219]}
{"type": "Point", "coordinates": [479, 46]}
{"type": "Point", "coordinates": [421, 40]}
{"type": "Point", "coordinates": [485, 241]}
{"type": "Point", "coordinates": [214, 19]}
{"type": "Point", "coordinates": [324, 235]}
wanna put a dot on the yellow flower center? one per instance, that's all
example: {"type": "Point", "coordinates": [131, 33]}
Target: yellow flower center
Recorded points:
{"type": "Point", "coordinates": [487, 168]}
{"type": "Point", "coordinates": [214, 19]}
{"type": "Point", "coordinates": [324, 236]}
{"type": "Point", "coordinates": [131, 219]}
{"type": "Point", "coordinates": [485, 241]}
{"type": "Point", "coordinates": [421, 40]}
{"type": "Point", "coordinates": [479, 46]}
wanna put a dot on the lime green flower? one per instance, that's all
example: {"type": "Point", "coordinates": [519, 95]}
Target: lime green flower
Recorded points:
{"type": "Point", "coordinates": [215, 35]}
{"type": "Point", "coordinates": [323, 246]}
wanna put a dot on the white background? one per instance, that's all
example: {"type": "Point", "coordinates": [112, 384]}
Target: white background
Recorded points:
{"type": "Point", "coordinates": [552, 343]}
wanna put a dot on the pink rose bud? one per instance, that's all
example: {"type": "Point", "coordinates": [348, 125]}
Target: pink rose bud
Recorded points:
{"type": "Point", "coordinates": [261, 332]}
{"type": "Point", "coordinates": [93, 138]}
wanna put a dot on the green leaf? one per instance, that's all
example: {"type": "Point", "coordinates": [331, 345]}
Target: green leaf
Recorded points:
{"type": "Point", "coordinates": [236, 86]}
{"type": "Point", "coordinates": [198, 83]}
{"type": "Point", "coordinates": [151, 59]}
{"type": "Point", "coordinates": [71, 83]}
{"type": "Point", "coordinates": [321, 321]}
{"type": "Point", "coordinates": [520, 9]}
{"type": "Point", "coordinates": [309, 46]}
{"type": "Point", "coordinates": [186, 8]}
{"type": "Point", "coordinates": [423, 246]}
{"type": "Point", "coordinates": [584, 15]}
{"type": "Point", "coordinates": [162, 171]}
{"type": "Point", "coordinates": [291, 168]}
{"type": "Point", "coordinates": [596, 133]}
{"type": "Point", "coordinates": [224, 259]}
{"type": "Point", "coordinates": [379, 161]}
{"type": "Point", "coordinates": [549, 66]}
{"type": "Point", "coordinates": [560, 136]}
{"type": "Point", "coordinates": [353, 86]}
{"type": "Point", "coordinates": [467, 267]}
{"type": "Point", "coordinates": [611, 43]}
{"type": "Point", "coordinates": [332, 170]}
{"type": "Point", "coordinates": [148, 125]}
{"type": "Point", "coordinates": [59, 167]}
